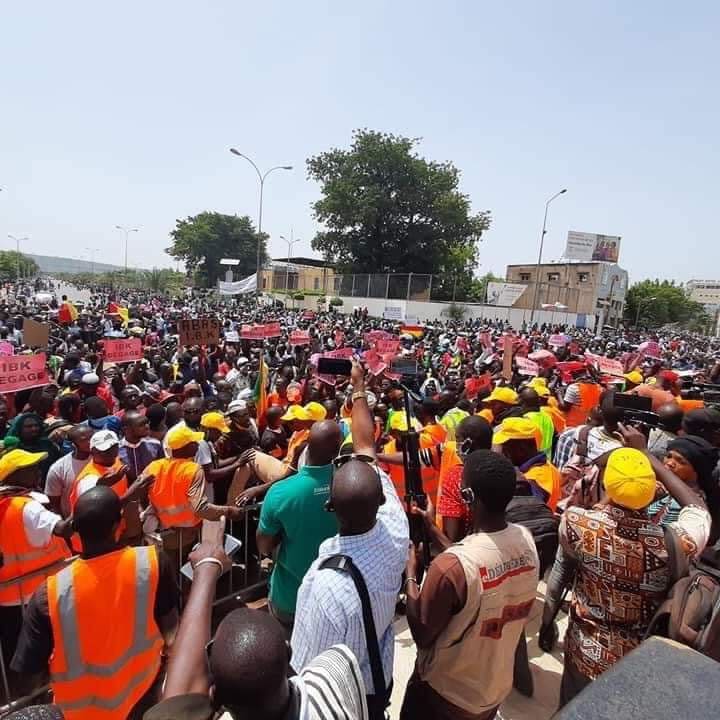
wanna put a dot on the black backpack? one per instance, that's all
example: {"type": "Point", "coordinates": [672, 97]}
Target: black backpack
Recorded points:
{"type": "Point", "coordinates": [532, 513]}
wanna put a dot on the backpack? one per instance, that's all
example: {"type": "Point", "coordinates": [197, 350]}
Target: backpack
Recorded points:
{"type": "Point", "coordinates": [532, 513]}
{"type": "Point", "coordinates": [691, 612]}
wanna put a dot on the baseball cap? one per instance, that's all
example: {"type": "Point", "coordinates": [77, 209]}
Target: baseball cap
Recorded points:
{"type": "Point", "coordinates": [181, 435]}
{"type": "Point", "coordinates": [296, 412]}
{"type": "Point", "coordinates": [17, 459]}
{"type": "Point", "coordinates": [90, 379]}
{"type": "Point", "coordinates": [242, 360]}
{"type": "Point", "coordinates": [103, 440]}
{"type": "Point", "coordinates": [634, 377]}
{"type": "Point", "coordinates": [539, 385]}
{"type": "Point", "coordinates": [236, 406]}
{"type": "Point", "coordinates": [316, 411]}
{"type": "Point", "coordinates": [503, 394]}
{"type": "Point", "coordinates": [516, 428]}
{"type": "Point", "coordinates": [214, 421]}
{"type": "Point", "coordinates": [629, 479]}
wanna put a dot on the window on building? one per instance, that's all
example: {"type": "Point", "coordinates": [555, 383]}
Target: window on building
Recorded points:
{"type": "Point", "coordinates": [524, 277]}
{"type": "Point", "coordinates": [264, 283]}
{"type": "Point", "coordinates": [583, 277]}
{"type": "Point", "coordinates": [316, 283]}
{"type": "Point", "coordinates": [553, 277]}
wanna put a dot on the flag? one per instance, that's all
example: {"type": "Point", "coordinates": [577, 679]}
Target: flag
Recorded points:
{"type": "Point", "coordinates": [260, 392]}
{"type": "Point", "coordinates": [417, 331]}
{"type": "Point", "coordinates": [67, 314]}
{"type": "Point", "coordinates": [115, 309]}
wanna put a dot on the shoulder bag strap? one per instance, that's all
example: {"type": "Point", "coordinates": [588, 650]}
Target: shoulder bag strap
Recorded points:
{"type": "Point", "coordinates": [582, 441]}
{"type": "Point", "coordinates": [344, 564]}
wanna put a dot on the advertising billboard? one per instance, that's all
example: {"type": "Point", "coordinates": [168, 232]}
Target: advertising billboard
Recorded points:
{"type": "Point", "coordinates": [591, 246]}
{"type": "Point", "coordinates": [504, 294]}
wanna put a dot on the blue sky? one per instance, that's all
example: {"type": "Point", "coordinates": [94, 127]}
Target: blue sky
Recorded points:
{"type": "Point", "coordinates": [124, 113]}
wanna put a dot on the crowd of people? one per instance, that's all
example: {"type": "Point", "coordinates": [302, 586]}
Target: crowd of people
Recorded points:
{"type": "Point", "coordinates": [586, 459]}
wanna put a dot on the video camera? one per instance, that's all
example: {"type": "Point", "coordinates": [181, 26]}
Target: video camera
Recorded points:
{"type": "Point", "coordinates": [707, 392]}
{"type": "Point", "coordinates": [636, 411]}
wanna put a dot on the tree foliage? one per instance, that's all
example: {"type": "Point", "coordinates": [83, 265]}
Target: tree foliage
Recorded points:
{"type": "Point", "coordinates": [386, 209]}
{"type": "Point", "coordinates": [205, 239]}
{"type": "Point", "coordinates": [9, 265]}
{"type": "Point", "coordinates": [158, 280]}
{"type": "Point", "coordinates": [662, 302]}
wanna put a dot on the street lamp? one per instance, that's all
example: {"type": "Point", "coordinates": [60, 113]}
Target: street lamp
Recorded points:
{"type": "Point", "coordinates": [641, 304]}
{"type": "Point", "coordinates": [539, 262]}
{"type": "Point", "coordinates": [92, 252]}
{"type": "Point", "coordinates": [261, 178]}
{"type": "Point", "coordinates": [290, 243]}
{"type": "Point", "coordinates": [127, 231]}
{"type": "Point", "coordinates": [17, 240]}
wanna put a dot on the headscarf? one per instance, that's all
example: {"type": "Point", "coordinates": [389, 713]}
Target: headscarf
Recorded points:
{"type": "Point", "coordinates": [700, 454]}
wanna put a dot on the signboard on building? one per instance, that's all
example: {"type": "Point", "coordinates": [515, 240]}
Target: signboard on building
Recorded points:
{"type": "Point", "coordinates": [592, 247]}
{"type": "Point", "coordinates": [504, 294]}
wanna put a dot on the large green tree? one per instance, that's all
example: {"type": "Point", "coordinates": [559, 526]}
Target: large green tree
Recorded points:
{"type": "Point", "coordinates": [205, 239]}
{"type": "Point", "coordinates": [9, 261]}
{"type": "Point", "coordinates": [661, 302]}
{"type": "Point", "coordinates": [386, 209]}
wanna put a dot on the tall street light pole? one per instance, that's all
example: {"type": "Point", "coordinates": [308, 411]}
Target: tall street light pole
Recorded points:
{"type": "Point", "coordinates": [92, 252]}
{"type": "Point", "coordinates": [17, 240]}
{"type": "Point", "coordinates": [261, 178]}
{"type": "Point", "coordinates": [290, 243]}
{"type": "Point", "coordinates": [539, 262]}
{"type": "Point", "coordinates": [127, 231]}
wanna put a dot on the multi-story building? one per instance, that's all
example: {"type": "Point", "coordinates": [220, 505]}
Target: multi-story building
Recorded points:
{"type": "Point", "coordinates": [706, 292]}
{"type": "Point", "coordinates": [300, 274]}
{"type": "Point", "coordinates": [590, 288]}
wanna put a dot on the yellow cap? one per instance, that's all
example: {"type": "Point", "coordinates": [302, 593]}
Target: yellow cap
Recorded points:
{"type": "Point", "coordinates": [398, 422]}
{"type": "Point", "coordinates": [634, 377]}
{"type": "Point", "coordinates": [316, 411]}
{"type": "Point", "coordinates": [503, 394]}
{"type": "Point", "coordinates": [296, 412]}
{"type": "Point", "coordinates": [539, 385]}
{"type": "Point", "coordinates": [17, 459]}
{"type": "Point", "coordinates": [181, 435]}
{"type": "Point", "coordinates": [629, 479]}
{"type": "Point", "coordinates": [215, 421]}
{"type": "Point", "coordinates": [515, 428]}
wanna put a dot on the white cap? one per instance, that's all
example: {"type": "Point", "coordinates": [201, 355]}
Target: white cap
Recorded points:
{"type": "Point", "coordinates": [103, 440]}
{"type": "Point", "coordinates": [236, 406]}
{"type": "Point", "coordinates": [90, 379]}
{"type": "Point", "coordinates": [242, 360]}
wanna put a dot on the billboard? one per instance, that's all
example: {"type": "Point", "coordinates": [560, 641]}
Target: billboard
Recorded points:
{"type": "Point", "coordinates": [590, 246]}
{"type": "Point", "coordinates": [504, 294]}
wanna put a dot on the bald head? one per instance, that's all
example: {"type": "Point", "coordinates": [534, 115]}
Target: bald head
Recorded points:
{"type": "Point", "coordinates": [671, 416]}
{"type": "Point", "coordinates": [249, 662]}
{"type": "Point", "coordinates": [356, 495]}
{"type": "Point", "coordinates": [96, 514]}
{"type": "Point", "coordinates": [324, 442]}
{"type": "Point", "coordinates": [529, 399]}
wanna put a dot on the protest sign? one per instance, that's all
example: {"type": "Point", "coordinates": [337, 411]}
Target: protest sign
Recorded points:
{"type": "Point", "coordinates": [527, 367]}
{"type": "Point", "coordinates": [252, 332]}
{"type": "Point", "coordinates": [272, 330]}
{"type": "Point", "coordinates": [35, 334]}
{"type": "Point", "coordinates": [22, 372]}
{"type": "Point", "coordinates": [299, 337]}
{"type": "Point", "coordinates": [387, 346]}
{"type": "Point", "coordinates": [558, 340]}
{"type": "Point", "coordinates": [485, 341]}
{"type": "Point", "coordinates": [507, 372]}
{"type": "Point", "coordinates": [606, 365]}
{"type": "Point", "coordinates": [474, 385]}
{"type": "Point", "coordinates": [374, 335]}
{"type": "Point", "coordinates": [199, 331]}
{"type": "Point", "coordinates": [340, 354]}
{"type": "Point", "coordinates": [6, 348]}
{"type": "Point", "coordinates": [123, 350]}
{"type": "Point", "coordinates": [232, 336]}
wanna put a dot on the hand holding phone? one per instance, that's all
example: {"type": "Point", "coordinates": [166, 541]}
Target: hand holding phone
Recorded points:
{"type": "Point", "coordinates": [334, 366]}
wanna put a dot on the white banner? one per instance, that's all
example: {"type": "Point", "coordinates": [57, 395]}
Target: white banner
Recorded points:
{"type": "Point", "coordinates": [504, 294]}
{"type": "Point", "coordinates": [592, 247]}
{"type": "Point", "coordinates": [246, 285]}
{"type": "Point", "coordinates": [394, 312]}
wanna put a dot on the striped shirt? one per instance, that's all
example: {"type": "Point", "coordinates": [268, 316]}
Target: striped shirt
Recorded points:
{"type": "Point", "coordinates": [329, 610]}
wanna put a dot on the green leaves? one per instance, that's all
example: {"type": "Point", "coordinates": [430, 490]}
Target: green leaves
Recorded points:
{"type": "Point", "coordinates": [658, 303]}
{"type": "Point", "coordinates": [385, 209]}
{"type": "Point", "coordinates": [205, 239]}
{"type": "Point", "coordinates": [9, 264]}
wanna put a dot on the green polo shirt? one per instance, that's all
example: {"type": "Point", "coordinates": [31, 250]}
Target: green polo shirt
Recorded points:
{"type": "Point", "coordinates": [294, 509]}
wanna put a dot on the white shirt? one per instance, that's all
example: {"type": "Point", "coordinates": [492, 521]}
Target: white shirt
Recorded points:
{"type": "Point", "coordinates": [329, 611]}
{"type": "Point", "coordinates": [60, 477]}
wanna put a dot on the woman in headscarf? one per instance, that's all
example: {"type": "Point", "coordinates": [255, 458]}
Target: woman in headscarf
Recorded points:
{"type": "Point", "coordinates": [693, 460]}
{"type": "Point", "coordinates": [27, 432]}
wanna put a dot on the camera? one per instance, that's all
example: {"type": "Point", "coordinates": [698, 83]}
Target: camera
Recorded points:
{"type": "Point", "coordinates": [636, 411]}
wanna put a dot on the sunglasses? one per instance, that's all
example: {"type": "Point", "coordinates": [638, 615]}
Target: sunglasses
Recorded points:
{"type": "Point", "coordinates": [339, 462]}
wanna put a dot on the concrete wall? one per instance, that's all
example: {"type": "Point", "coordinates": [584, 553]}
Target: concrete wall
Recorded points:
{"type": "Point", "coordinates": [423, 311]}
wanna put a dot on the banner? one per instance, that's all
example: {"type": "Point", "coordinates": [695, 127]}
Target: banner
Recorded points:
{"type": "Point", "coordinates": [527, 367]}
{"type": "Point", "coordinates": [394, 312]}
{"type": "Point", "coordinates": [558, 340]}
{"type": "Point", "coordinates": [122, 350]}
{"type": "Point", "coordinates": [252, 332]}
{"type": "Point", "coordinates": [299, 337]}
{"type": "Point", "coordinates": [340, 354]}
{"type": "Point", "coordinates": [591, 247]}
{"type": "Point", "coordinates": [606, 365]}
{"type": "Point", "coordinates": [246, 285]}
{"type": "Point", "coordinates": [473, 385]}
{"type": "Point", "coordinates": [199, 331]}
{"type": "Point", "coordinates": [504, 294]}
{"type": "Point", "coordinates": [21, 372]}
{"type": "Point", "coordinates": [272, 330]}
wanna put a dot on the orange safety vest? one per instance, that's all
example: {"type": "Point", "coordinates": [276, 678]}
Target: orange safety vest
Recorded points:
{"type": "Point", "coordinates": [169, 492]}
{"type": "Point", "coordinates": [107, 644]}
{"type": "Point", "coordinates": [20, 558]}
{"type": "Point", "coordinates": [589, 398]}
{"type": "Point", "coordinates": [558, 419]}
{"type": "Point", "coordinates": [431, 437]}
{"type": "Point", "coordinates": [120, 488]}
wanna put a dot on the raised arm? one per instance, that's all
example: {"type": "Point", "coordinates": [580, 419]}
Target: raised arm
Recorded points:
{"type": "Point", "coordinates": [363, 425]}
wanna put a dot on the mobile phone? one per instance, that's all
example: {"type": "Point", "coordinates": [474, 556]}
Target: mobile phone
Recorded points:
{"type": "Point", "coordinates": [334, 366]}
{"type": "Point", "coordinates": [231, 545]}
{"type": "Point", "coordinates": [404, 366]}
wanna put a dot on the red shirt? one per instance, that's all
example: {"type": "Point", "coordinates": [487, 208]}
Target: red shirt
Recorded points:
{"type": "Point", "coordinates": [451, 504]}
